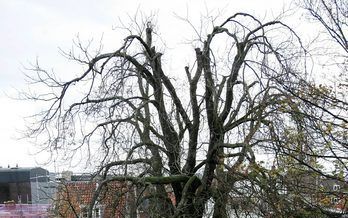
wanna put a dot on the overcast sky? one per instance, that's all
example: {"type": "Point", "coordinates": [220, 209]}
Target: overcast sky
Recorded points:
{"type": "Point", "coordinates": [35, 29]}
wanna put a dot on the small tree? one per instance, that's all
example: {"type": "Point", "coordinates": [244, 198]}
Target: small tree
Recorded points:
{"type": "Point", "coordinates": [247, 105]}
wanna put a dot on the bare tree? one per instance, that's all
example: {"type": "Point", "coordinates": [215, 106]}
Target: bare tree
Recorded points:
{"type": "Point", "coordinates": [247, 119]}
{"type": "Point", "coordinates": [332, 15]}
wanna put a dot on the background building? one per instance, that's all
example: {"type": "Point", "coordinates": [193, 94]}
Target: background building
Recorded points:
{"type": "Point", "coordinates": [75, 193]}
{"type": "Point", "coordinates": [26, 185]}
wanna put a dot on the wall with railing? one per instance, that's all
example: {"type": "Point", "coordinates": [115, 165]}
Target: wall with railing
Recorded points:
{"type": "Point", "coordinates": [12, 210]}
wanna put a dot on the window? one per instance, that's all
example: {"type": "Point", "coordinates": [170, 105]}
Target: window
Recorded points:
{"type": "Point", "coordinates": [97, 212]}
{"type": "Point", "coordinates": [335, 200]}
{"type": "Point", "coordinates": [336, 187]}
{"type": "Point", "coordinates": [84, 212]}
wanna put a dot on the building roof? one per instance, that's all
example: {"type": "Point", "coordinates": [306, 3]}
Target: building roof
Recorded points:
{"type": "Point", "coordinates": [18, 169]}
{"type": "Point", "coordinates": [23, 174]}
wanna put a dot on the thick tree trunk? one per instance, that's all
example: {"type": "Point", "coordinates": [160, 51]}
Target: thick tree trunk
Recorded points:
{"type": "Point", "coordinates": [220, 210]}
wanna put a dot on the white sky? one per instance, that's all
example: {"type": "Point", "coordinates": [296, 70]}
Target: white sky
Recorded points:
{"type": "Point", "coordinates": [31, 29]}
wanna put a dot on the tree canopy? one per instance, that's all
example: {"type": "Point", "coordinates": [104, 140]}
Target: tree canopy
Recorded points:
{"type": "Point", "coordinates": [244, 133]}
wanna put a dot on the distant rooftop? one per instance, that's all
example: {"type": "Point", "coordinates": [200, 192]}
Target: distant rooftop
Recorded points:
{"type": "Point", "coordinates": [18, 169]}
{"type": "Point", "coordinates": [22, 174]}
{"type": "Point", "coordinates": [69, 176]}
